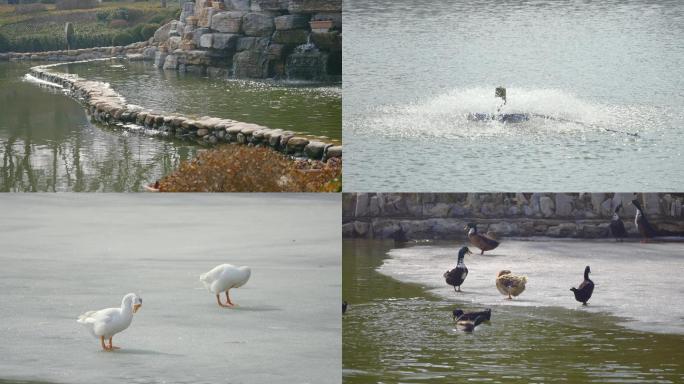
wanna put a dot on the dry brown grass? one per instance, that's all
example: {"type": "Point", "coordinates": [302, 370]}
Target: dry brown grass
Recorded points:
{"type": "Point", "coordinates": [237, 168]}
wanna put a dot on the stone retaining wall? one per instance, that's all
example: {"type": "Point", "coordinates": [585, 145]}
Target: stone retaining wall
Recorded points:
{"type": "Point", "coordinates": [108, 107]}
{"type": "Point", "coordinates": [294, 39]}
{"type": "Point", "coordinates": [443, 216]}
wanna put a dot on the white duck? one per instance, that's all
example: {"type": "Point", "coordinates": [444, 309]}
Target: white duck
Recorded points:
{"type": "Point", "coordinates": [224, 277]}
{"type": "Point", "coordinates": [106, 323]}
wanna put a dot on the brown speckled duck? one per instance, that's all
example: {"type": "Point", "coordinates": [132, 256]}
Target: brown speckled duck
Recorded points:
{"type": "Point", "coordinates": [510, 284]}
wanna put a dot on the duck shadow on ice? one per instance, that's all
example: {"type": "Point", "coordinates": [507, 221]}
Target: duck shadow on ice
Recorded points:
{"type": "Point", "coordinates": [262, 308]}
{"type": "Point", "coordinates": [149, 352]}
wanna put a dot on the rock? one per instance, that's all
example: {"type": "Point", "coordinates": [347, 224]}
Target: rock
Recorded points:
{"type": "Point", "coordinates": [331, 41]}
{"type": "Point", "coordinates": [562, 230]}
{"type": "Point", "coordinates": [312, 6]}
{"type": "Point", "coordinates": [174, 42]}
{"type": "Point", "coordinates": [149, 53]}
{"type": "Point", "coordinates": [250, 64]}
{"type": "Point", "coordinates": [374, 207]}
{"type": "Point", "coordinates": [307, 65]}
{"type": "Point", "coordinates": [224, 40]}
{"type": "Point", "coordinates": [292, 37]}
{"type": "Point", "coordinates": [171, 62]}
{"type": "Point", "coordinates": [651, 205]}
{"type": "Point", "coordinates": [251, 43]}
{"type": "Point", "coordinates": [287, 22]}
{"type": "Point", "coordinates": [596, 200]}
{"type": "Point", "coordinates": [384, 228]}
{"type": "Point", "coordinates": [187, 11]}
{"type": "Point", "coordinates": [227, 22]}
{"type": "Point", "coordinates": [256, 24]}
{"type": "Point", "coordinates": [334, 151]}
{"type": "Point", "coordinates": [361, 228]}
{"type": "Point", "coordinates": [237, 5]}
{"type": "Point", "coordinates": [159, 59]}
{"type": "Point", "coordinates": [436, 210]}
{"type": "Point", "coordinates": [270, 5]}
{"type": "Point", "coordinates": [546, 206]}
{"type": "Point", "coordinates": [197, 35]}
{"type": "Point", "coordinates": [563, 205]}
{"type": "Point", "coordinates": [202, 132]}
{"type": "Point", "coordinates": [504, 229]}
{"type": "Point", "coordinates": [361, 209]}
{"type": "Point", "coordinates": [162, 33]}
{"type": "Point", "coordinates": [206, 40]}
{"type": "Point", "coordinates": [315, 150]}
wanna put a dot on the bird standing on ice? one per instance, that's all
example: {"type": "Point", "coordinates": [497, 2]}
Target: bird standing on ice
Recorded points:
{"type": "Point", "coordinates": [106, 323]}
{"type": "Point", "coordinates": [224, 277]}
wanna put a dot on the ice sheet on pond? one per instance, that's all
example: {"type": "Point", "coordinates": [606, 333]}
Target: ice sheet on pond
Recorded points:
{"type": "Point", "coordinates": [638, 282]}
{"type": "Point", "coordinates": [63, 255]}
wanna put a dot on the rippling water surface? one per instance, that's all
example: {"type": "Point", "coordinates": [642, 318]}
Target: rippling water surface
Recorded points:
{"type": "Point", "coordinates": [596, 72]}
{"type": "Point", "coordinates": [399, 328]}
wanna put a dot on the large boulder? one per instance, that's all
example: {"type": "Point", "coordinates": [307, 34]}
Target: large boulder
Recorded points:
{"type": "Point", "coordinates": [546, 205]}
{"type": "Point", "coordinates": [162, 34]}
{"type": "Point", "coordinates": [330, 41]}
{"type": "Point", "coordinates": [206, 40]}
{"type": "Point", "coordinates": [257, 24]}
{"type": "Point", "coordinates": [250, 42]}
{"type": "Point", "coordinates": [250, 64]}
{"type": "Point", "coordinates": [237, 5]}
{"type": "Point", "coordinates": [287, 22]}
{"type": "Point", "coordinates": [228, 22]}
{"type": "Point", "coordinates": [563, 205]}
{"type": "Point", "coordinates": [224, 40]}
{"type": "Point", "coordinates": [291, 37]}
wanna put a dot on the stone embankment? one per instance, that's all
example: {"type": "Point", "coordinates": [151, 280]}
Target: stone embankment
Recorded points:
{"type": "Point", "coordinates": [443, 216]}
{"type": "Point", "coordinates": [108, 107]}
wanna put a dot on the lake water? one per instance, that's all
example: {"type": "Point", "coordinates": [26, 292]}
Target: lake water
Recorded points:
{"type": "Point", "coordinates": [398, 327]}
{"type": "Point", "coordinates": [414, 70]}
{"type": "Point", "coordinates": [301, 107]}
{"type": "Point", "coordinates": [48, 144]}
{"type": "Point", "coordinates": [65, 254]}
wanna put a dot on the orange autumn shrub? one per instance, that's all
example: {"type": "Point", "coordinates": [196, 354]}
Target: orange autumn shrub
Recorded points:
{"type": "Point", "coordinates": [239, 168]}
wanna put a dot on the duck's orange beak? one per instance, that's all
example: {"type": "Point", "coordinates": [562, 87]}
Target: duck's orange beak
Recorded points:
{"type": "Point", "coordinates": [136, 307]}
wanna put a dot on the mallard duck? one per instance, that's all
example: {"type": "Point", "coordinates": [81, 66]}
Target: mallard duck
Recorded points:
{"type": "Point", "coordinates": [583, 293]}
{"type": "Point", "coordinates": [457, 276]}
{"type": "Point", "coordinates": [458, 314]}
{"type": "Point", "coordinates": [468, 321]}
{"type": "Point", "coordinates": [617, 227]}
{"type": "Point", "coordinates": [344, 307]}
{"type": "Point", "coordinates": [510, 284]}
{"type": "Point", "coordinates": [106, 323]}
{"type": "Point", "coordinates": [223, 278]}
{"type": "Point", "coordinates": [483, 242]}
{"type": "Point", "coordinates": [643, 226]}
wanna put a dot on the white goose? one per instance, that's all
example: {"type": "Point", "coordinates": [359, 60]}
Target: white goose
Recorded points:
{"type": "Point", "coordinates": [106, 323]}
{"type": "Point", "coordinates": [224, 277]}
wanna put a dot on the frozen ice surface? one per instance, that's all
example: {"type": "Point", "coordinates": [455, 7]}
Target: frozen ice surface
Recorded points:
{"type": "Point", "coordinates": [63, 255]}
{"type": "Point", "coordinates": [641, 283]}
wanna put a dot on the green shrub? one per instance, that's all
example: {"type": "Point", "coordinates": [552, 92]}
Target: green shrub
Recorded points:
{"type": "Point", "coordinates": [118, 23]}
{"type": "Point", "coordinates": [123, 38]}
{"type": "Point", "coordinates": [148, 31]}
{"type": "Point", "coordinates": [135, 31]}
{"type": "Point", "coordinates": [4, 43]}
{"type": "Point", "coordinates": [120, 14]}
{"type": "Point", "coordinates": [102, 16]}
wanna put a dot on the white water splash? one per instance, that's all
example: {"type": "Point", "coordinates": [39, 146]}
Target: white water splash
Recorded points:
{"type": "Point", "coordinates": [553, 111]}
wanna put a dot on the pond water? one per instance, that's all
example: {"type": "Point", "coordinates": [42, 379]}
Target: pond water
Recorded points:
{"type": "Point", "coordinates": [300, 107]}
{"type": "Point", "coordinates": [398, 327]}
{"type": "Point", "coordinates": [48, 144]}
{"type": "Point", "coordinates": [65, 254]}
{"type": "Point", "coordinates": [590, 73]}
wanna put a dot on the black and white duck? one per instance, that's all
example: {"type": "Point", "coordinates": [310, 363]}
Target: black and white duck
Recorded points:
{"type": "Point", "coordinates": [583, 293]}
{"type": "Point", "coordinates": [617, 227]}
{"type": "Point", "coordinates": [645, 228]}
{"type": "Point", "coordinates": [457, 276]}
